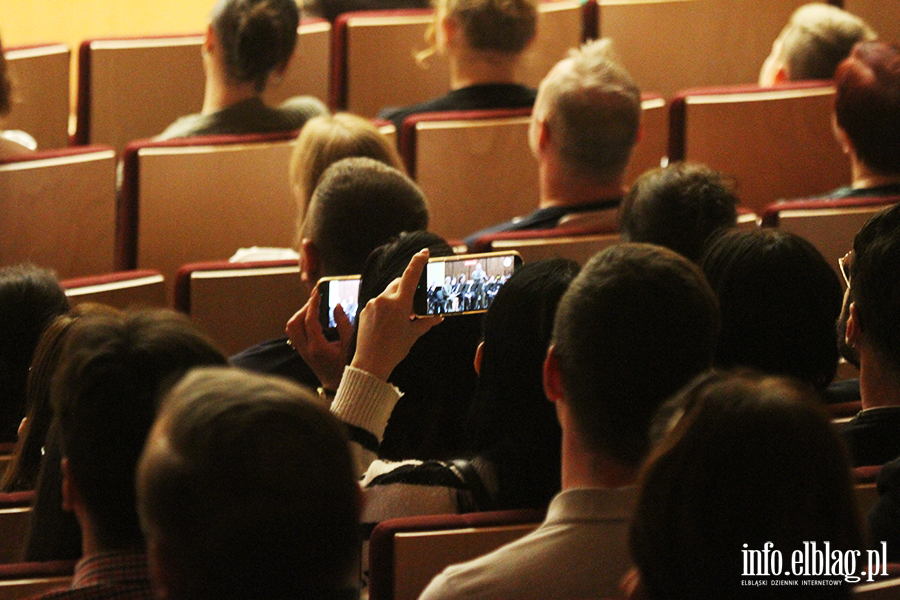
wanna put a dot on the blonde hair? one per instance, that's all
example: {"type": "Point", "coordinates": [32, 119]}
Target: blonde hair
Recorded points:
{"type": "Point", "coordinates": [329, 138]}
{"type": "Point", "coordinates": [505, 26]}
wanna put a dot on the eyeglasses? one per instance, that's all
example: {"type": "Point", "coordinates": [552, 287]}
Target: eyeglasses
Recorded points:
{"type": "Point", "coordinates": [844, 263]}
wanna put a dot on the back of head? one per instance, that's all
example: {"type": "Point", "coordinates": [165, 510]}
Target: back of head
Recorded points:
{"type": "Point", "coordinates": [359, 204]}
{"type": "Point", "coordinates": [680, 207]}
{"type": "Point", "coordinates": [636, 325]}
{"type": "Point", "coordinates": [113, 368]}
{"type": "Point", "coordinates": [505, 26]}
{"type": "Point", "coordinates": [867, 104]}
{"type": "Point", "coordinates": [246, 490]}
{"type": "Point", "coordinates": [512, 423]}
{"type": "Point", "coordinates": [257, 37]}
{"type": "Point", "coordinates": [817, 38]}
{"type": "Point", "coordinates": [874, 285]}
{"type": "Point", "coordinates": [780, 300]}
{"type": "Point", "coordinates": [593, 109]}
{"type": "Point", "coordinates": [437, 377]}
{"type": "Point", "coordinates": [30, 297]}
{"type": "Point", "coordinates": [752, 460]}
{"type": "Point", "coordinates": [327, 139]}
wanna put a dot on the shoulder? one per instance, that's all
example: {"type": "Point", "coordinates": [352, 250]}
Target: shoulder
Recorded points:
{"type": "Point", "coordinates": [186, 126]}
{"type": "Point", "coordinates": [275, 357]}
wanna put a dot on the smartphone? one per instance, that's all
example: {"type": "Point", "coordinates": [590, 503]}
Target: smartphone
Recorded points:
{"type": "Point", "coordinates": [463, 284]}
{"type": "Point", "coordinates": [333, 291]}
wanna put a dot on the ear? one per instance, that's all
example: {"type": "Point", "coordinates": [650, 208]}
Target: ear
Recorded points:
{"type": "Point", "coordinates": [209, 38]}
{"type": "Point", "coordinates": [553, 386]}
{"type": "Point", "coordinates": [449, 32]}
{"type": "Point", "coordinates": [70, 496]}
{"type": "Point", "coordinates": [310, 265]}
{"type": "Point", "coordinates": [841, 136]}
{"type": "Point", "coordinates": [782, 75]}
{"type": "Point", "coordinates": [478, 355]}
{"type": "Point", "coordinates": [853, 333]}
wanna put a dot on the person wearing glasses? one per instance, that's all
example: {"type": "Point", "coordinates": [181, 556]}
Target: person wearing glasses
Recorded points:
{"type": "Point", "coordinates": [869, 336]}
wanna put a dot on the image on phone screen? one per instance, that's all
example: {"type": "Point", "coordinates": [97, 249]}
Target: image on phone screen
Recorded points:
{"type": "Point", "coordinates": [463, 284]}
{"type": "Point", "coordinates": [332, 292]}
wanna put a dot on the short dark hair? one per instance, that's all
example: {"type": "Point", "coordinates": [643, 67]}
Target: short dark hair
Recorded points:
{"type": "Point", "coordinates": [637, 324]}
{"type": "Point", "coordinates": [779, 299]}
{"type": "Point", "coordinates": [113, 368]}
{"type": "Point", "coordinates": [679, 207]}
{"type": "Point", "coordinates": [248, 489]}
{"type": "Point", "coordinates": [753, 459]}
{"type": "Point", "coordinates": [30, 298]}
{"type": "Point", "coordinates": [867, 104]}
{"type": "Point", "coordinates": [817, 38]}
{"type": "Point", "coordinates": [5, 85]}
{"type": "Point", "coordinates": [358, 205]}
{"type": "Point", "coordinates": [875, 285]}
{"type": "Point", "coordinates": [257, 37]}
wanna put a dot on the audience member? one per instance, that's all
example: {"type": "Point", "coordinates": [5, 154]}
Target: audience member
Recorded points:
{"type": "Point", "coordinates": [816, 39]}
{"type": "Point", "coordinates": [584, 125]}
{"type": "Point", "coordinates": [750, 461]}
{"type": "Point", "coordinates": [326, 139]}
{"type": "Point", "coordinates": [484, 41]}
{"type": "Point", "coordinates": [12, 142]}
{"type": "Point", "coordinates": [359, 204]}
{"type": "Point", "coordinates": [867, 113]}
{"type": "Point", "coordinates": [617, 354]}
{"type": "Point", "coordinates": [680, 207]}
{"type": "Point", "coordinates": [779, 299]}
{"type": "Point", "coordinates": [30, 298]}
{"type": "Point", "coordinates": [869, 335]}
{"type": "Point", "coordinates": [247, 45]}
{"type": "Point", "coordinates": [246, 490]}
{"type": "Point", "coordinates": [113, 369]}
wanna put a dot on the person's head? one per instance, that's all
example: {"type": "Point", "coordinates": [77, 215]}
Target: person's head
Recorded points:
{"type": "Point", "coordinates": [872, 304]}
{"type": "Point", "coordinates": [327, 139]}
{"type": "Point", "coordinates": [437, 376]}
{"type": "Point", "coordinates": [503, 27]}
{"type": "Point", "coordinates": [751, 460]}
{"type": "Point", "coordinates": [30, 297]}
{"type": "Point", "coordinates": [511, 423]}
{"type": "Point", "coordinates": [680, 207]}
{"type": "Point", "coordinates": [867, 105]}
{"type": "Point", "coordinates": [246, 489]}
{"type": "Point", "coordinates": [636, 325]}
{"type": "Point", "coordinates": [815, 40]}
{"type": "Point", "coordinates": [253, 38]}
{"type": "Point", "coordinates": [779, 299]}
{"type": "Point", "coordinates": [588, 112]}
{"type": "Point", "coordinates": [359, 204]}
{"type": "Point", "coordinates": [112, 371]}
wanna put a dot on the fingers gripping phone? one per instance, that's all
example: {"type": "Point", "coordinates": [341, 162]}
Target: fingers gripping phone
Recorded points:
{"type": "Point", "coordinates": [332, 292]}
{"type": "Point", "coordinates": [463, 284]}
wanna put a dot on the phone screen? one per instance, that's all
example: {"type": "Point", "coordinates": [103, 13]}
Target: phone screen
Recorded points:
{"type": "Point", "coordinates": [334, 291]}
{"type": "Point", "coordinates": [464, 284]}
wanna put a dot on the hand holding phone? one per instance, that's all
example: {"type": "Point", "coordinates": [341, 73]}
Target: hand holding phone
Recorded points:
{"type": "Point", "coordinates": [387, 329]}
{"type": "Point", "coordinates": [326, 358]}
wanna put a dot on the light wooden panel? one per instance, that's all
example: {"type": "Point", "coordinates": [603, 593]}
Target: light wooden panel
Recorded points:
{"type": "Point", "coordinates": [558, 29]}
{"type": "Point", "coordinates": [653, 144]}
{"type": "Point", "coordinates": [40, 107]}
{"type": "Point", "coordinates": [309, 69]}
{"type": "Point", "coordinates": [882, 15]}
{"type": "Point", "coordinates": [579, 248]}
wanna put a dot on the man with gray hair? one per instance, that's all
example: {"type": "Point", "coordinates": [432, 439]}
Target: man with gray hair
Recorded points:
{"type": "Point", "coordinates": [813, 43]}
{"type": "Point", "coordinates": [583, 127]}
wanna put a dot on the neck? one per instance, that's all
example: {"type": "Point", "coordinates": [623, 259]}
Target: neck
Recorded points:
{"type": "Point", "coordinates": [865, 178]}
{"type": "Point", "coordinates": [560, 186]}
{"type": "Point", "coordinates": [472, 67]}
{"type": "Point", "coordinates": [220, 93]}
{"type": "Point", "coordinates": [878, 384]}
{"type": "Point", "coordinates": [582, 468]}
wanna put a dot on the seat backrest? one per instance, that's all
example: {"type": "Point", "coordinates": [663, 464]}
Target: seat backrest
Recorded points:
{"type": "Point", "coordinates": [13, 529]}
{"type": "Point", "coordinates": [309, 69]}
{"type": "Point", "coordinates": [653, 144]}
{"type": "Point", "coordinates": [577, 245]}
{"type": "Point", "coordinates": [374, 64]}
{"type": "Point", "coordinates": [199, 199]}
{"type": "Point", "coordinates": [40, 78]}
{"type": "Point", "coordinates": [26, 580]}
{"type": "Point", "coordinates": [559, 25]}
{"type": "Point", "coordinates": [58, 210]}
{"type": "Point", "coordinates": [239, 304]}
{"type": "Point", "coordinates": [829, 224]}
{"type": "Point", "coordinates": [777, 142]}
{"type": "Point", "coordinates": [121, 290]}
{"type": "Point", "coordinates": [475, 167]}
{"type": "Point", "coordinates": [133, 88]}
{"type": "Point", "coordinates": [406, 553]}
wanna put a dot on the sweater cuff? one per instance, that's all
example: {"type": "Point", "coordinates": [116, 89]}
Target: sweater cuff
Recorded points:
{"type": "Point", "coordinates": [365, 401]}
